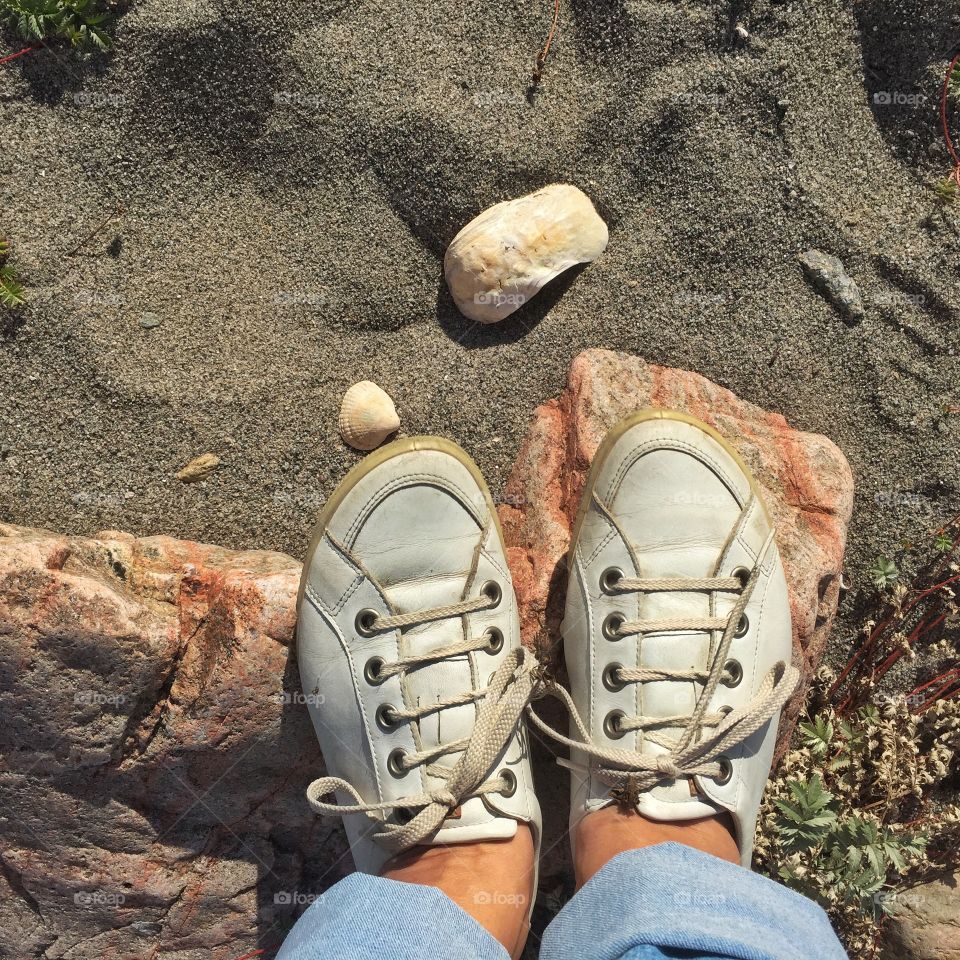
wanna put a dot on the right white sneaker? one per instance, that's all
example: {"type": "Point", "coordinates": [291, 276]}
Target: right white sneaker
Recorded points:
{"type": "Point", "coordinates": [677, 630]}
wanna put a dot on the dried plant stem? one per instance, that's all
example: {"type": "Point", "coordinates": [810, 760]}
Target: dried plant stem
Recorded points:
{"type": "Point", "coordinates": [542, 55]}
{"type": "Point", "coordinates": [944, 96]}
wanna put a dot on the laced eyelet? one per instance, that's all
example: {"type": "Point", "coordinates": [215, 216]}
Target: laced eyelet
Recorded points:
{"type": "Point", "coordinates": [611, 724]}
{"type": "Point", "coordinates": [610, 578]}
{"type": "Point", "coordinates": [611, 626]}
{"type": "Point", "coordinates": [735, 671]}
{"type": "Point", "coordinates": [373, 671]}
{"type": "Point", "coordinates": [491, 590]}
{"type": "Point", "coordinates": [395, 762]}
{"type": "Point", "coordinates": [495, 641]}
{"type": "Point", "coordinates": [511, 788]}
{"type": "Point", "coordinates": [742, 627]}
{"type": "Point", "coordinates": [726, 771]}
{"type": "Point", "coordinates": [610, 679]}
{"type": "Point", "coordinates": [724, 710]}
{"type": "Point", "coordinates": [743, 575]}
{"type": "Point", "coordinates": [366, 621]}
{"type": "Point", "coordinates": [386, 718]}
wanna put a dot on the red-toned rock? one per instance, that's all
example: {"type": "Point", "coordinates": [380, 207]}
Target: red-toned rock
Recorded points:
{"type": "Point", "coordinates": [805, 478]}
{"type": "Point", "coordinates": [154, 750]}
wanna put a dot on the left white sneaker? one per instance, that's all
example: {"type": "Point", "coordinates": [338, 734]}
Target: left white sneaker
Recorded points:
{"type": "Point", "coordinates": [410, 657]}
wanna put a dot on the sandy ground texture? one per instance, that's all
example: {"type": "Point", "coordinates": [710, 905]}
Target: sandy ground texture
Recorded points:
{"type": "Point", "coordinates": [284, 178]}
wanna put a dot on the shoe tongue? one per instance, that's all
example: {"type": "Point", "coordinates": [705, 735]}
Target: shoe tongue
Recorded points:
{"type": "Point", "coordinates": [679, 536]}
{"type": "Point", "coordinates": [422, 558]}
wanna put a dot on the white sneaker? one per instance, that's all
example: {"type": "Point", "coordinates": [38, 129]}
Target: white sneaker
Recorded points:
{"type": "Point", "coordinates": [677, 628]}
{"type": "Point", "coordinates": [410, 657]}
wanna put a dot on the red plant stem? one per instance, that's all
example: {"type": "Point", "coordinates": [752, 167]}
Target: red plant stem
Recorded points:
{"type": "Point", "coordinates": [953, 671]}
{"type": "Point", "coordinates": [20, 53]}
{"type": "Point", "coordinates": [943, 111]}
{"type": "Point", "coordinates": [878, 630]}
{"type": "Point", "coordinates": [944, 693]}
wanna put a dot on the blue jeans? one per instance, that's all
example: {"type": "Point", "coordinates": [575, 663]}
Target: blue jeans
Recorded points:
{"type": "Point", "coordinates": [668, 901]}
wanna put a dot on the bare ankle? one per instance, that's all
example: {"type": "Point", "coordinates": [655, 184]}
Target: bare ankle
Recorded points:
{"type": "Point", "coordinates": [603, 834]}
{"type": "Point", "coordinates": [492, 880]}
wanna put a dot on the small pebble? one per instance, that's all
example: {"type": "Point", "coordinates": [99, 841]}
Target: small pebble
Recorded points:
{"type": "Point", "coordinates": [150, 320]}
{"type": "Point", "coordinates": [828, 276]}
{"type": "Point", "coordinates": [199, 468]}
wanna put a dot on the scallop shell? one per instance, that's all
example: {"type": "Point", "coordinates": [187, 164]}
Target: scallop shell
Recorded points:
{"type": "Point", "coordinates": [502, 258]}
{"type": "Point", "coordinates": [367, 416]}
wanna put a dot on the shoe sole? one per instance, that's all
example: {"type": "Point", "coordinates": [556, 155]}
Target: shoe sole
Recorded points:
{"type": "Point", "coordinates": [368, 465]}
{"type": "Point", "coordinates": [618, 430]}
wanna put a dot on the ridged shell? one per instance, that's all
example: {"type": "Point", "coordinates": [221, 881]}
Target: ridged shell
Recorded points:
{"type": "Point", "coordinates": [367, 416]}
{"type": "Point", "coordinates": [502, 258]}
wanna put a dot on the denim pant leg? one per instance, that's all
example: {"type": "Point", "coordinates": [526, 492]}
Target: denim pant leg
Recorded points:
{"type": "Point", "coordinates": [373, 918]}
{"type": "Point", "coordinates": [673, 901]}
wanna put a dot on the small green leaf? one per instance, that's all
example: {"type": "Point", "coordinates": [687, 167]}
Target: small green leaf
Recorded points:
{"type": "Point", "coordinates": [883, 573]}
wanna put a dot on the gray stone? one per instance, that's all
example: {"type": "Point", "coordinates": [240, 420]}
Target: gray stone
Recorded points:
{"type": "Point", "coordinates": [830, 279]}
{"type": "Point", "coordinates": [925, 922]}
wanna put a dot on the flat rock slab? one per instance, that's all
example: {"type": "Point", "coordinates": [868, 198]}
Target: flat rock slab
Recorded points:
{"type": "Point", "coordinates": [155, 750]}
{"type": "Point", "coordinates": [805, 478]}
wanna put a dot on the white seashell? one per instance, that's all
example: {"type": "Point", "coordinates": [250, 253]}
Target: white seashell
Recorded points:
{"type": "Point", "coordinates": [367, 416]}
{"type": "Point", "coordinates": [502, 258]}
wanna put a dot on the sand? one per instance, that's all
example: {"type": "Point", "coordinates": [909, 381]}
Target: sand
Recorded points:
{"type": "Point", "coordinates": [289, 175]}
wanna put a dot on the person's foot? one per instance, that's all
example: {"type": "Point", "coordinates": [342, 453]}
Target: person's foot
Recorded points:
{"type": "Point", "coordinates": [677, 640]}
{"type": "Point", "coordinates": [410, 657]}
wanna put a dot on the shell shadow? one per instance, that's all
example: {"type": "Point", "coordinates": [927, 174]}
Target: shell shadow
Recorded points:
{"type": "Point", "coordinates": [477, 336]}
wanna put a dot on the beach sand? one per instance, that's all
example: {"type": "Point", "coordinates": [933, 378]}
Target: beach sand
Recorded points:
{"type": "Point", "coordinates": [285, 177]}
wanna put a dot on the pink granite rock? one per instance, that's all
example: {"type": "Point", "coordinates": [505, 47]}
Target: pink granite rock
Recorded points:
{"type": "Point", "coordinates": [154, 750]}
{"type": "Point", "coordinates": [806, 480]}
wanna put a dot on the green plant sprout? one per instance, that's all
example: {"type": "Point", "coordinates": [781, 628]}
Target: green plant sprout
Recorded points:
{"type": "Point", "coordinates": [11, 290]}
{"type": "Point", "coordinates": [883, 573]}
{"type": "Point", "coordinates": [79, 22]}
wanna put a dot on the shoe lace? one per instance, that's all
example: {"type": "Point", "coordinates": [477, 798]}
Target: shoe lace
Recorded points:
{"type": "Point", "coordinates": [705, 737]}
{"type": "Point", "coordinates": [500, 706]}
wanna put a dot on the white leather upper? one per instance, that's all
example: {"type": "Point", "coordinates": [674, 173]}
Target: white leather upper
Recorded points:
{"type": "Point", "coordinates": [674, 499]}
{"type": "Point", "coordinates": [415, 532]}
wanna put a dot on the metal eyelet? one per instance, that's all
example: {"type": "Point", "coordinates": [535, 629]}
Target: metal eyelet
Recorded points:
{"type": "Point", "coordinates": [373, 671]}
{"type": "Point", "coordinates": [611, 626]}
{"type": "Point", "coordinates": [495, 643]}
{"type": "Point", "coordinates": [742, 627]}
{"type": "Point", "coordinates": [726, 771]}
{"type": "Point", "coordinates": [386, 718]}
{"type": "Point", "coordinates": [395, 762]}
{"type": "Point", "coordinates": [733, 668]}
{"type": "Point", "coordinates": [491, 589]}
{"type": "Point", "coordinates": [610, 679]}
{"type": "Point", "coordinates": [511, 788]}
{"type": "Point", "coordinates": [611, 724]}
{"type": "Point", "coordinates": [610, 578]}
{"type": "Point", "coordinates": [365, 623]}
{"type": "Point", "coordinates": [743, 575]}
